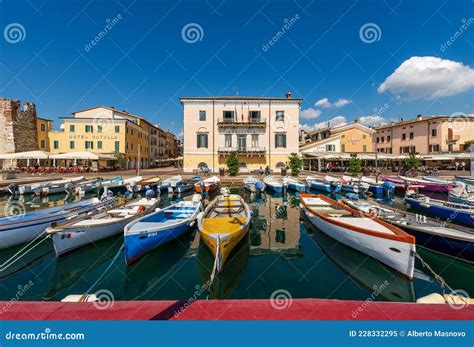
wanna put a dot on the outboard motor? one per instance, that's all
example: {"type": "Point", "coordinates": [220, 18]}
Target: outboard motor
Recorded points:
{"type": "Point", "coordinates": [196, 199]}
{"type": "Point", "coordinates": [106, 194]}
{"type": "Point", "coordinates": [260, 186]}
{"type": "Point", "coordinates": [388, 190]}
{"type": "Point", "coordinates": [149, 193]}
{"type": "Point", "coordinates": [225, 191]}
{"type": "Point", "coordinates": [13, 189]}
{"type": "Point", "coordinates": [352, 196]}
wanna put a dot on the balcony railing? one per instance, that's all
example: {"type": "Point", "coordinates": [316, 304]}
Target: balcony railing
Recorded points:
{"type": "Point", "coordinates": [453, 138]}
{"type": "Point", "coordinates": [252, 122]}
{"type": "Point", "coordinates": [241, 150]}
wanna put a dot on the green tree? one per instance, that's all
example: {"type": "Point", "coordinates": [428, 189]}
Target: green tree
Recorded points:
{"type": "Point", "coordinates": [413, 161]}
{"type": "Point", "coordinates": [295, 164]}
{"type": "Point", "coordinates": [120, 159]}
{"type": "Point", "coordinates": [469, 143]}
{"type": "Point", "coordinates": [355, 164]}
{"type": "Point", "coordinates": [233, 165]}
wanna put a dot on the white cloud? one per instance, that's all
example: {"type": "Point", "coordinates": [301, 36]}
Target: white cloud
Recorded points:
{"type": "Point", "coordinates": [323, 103]}
{"type": "Point", "coordinates": [372, 120]}
{"type": "Point", "coordinates": [342, 102]}
{"type": "Point", "coordinates": [310, 113]}
{"type": "Point", "coordinates": [333, 123]}
{"type": "Point", "coordinates": [429, 77]}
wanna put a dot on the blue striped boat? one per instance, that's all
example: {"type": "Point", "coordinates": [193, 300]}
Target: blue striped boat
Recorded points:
{"type": "Point", "coordinates": [465, 179]}
{"type": "Point", "coordinates": [322, 185]}
{"type": "Point", "coordinates": [294, 184]}
{"type": "Point", "coordinates": [151, 231]}
{"type": "Point", "coordinates": [275, 184]}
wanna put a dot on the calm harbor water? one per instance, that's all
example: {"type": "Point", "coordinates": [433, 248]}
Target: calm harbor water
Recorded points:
{"type": "Point", "coordinates": [282, 252]}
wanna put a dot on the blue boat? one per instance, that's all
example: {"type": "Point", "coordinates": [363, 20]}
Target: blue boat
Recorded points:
{"type": "Point", "coordinates": [275, 184]}
{"type": "Point", "coordinates": [450, 240]}
{"type": "Point", "coordinates": [294, 184]}
{"type": "Point", "coordinates": [461, 194]}
{"type": "Point", "coordinates": [187, 184]}
{"type": "Point", "coordinates": [147, 233]}
{"type": "Point", "coordinates": [465, 179]}
{"type": "Point", "coordinates": [451, 212]}
{"type": "Point", "coordinates": [322, 185]}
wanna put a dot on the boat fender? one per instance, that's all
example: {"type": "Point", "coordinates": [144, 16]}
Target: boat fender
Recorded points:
{"type": "Point", "coordinates": [141, 209]}
{"type": "Point", "coordinates": [425, 205]}
{"type": "Point", "coordinates": [433, 298]}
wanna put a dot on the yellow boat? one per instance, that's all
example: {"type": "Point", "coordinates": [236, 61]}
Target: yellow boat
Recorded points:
{"type": "Point", "coordinates": [223, 225]}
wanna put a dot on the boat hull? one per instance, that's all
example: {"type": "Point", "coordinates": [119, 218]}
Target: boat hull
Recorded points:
{"type": "Point", "coordinates": [443, 212]}
{"type": "Point", "coordinates": [324, 187]}
{"type": "Point", "coordinates": [395, 254]}
{"type": "Point", "coordinates": [207, 188]}
{"type": "Point", "coordinates": [297, 187]}
{"type": "Point", "coordinates": [275, 187]}
{"type": "Point", "coordinates": [376, 190]}
{"type": "Point", "coordinates": [461, 201]}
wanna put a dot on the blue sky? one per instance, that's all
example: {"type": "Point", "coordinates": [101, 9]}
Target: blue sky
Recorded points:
{"type": "Point", "coordinates": [144, 62]}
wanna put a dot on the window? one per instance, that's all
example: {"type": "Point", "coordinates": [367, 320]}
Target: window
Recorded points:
{"type": "Point", "coordinates": [388, 138]}
{"type": "Point", "coordinates": [201, 140]}
{"type": "Point", "coordinates": [412, 149]}
{"type": "Point", "coordinates": [228, 140]}
{"type": "Point", "coordinates": [343, 136]}
{"type": "Point", "coordinates": [202, 116]}
{"type": "Point", "coordinates": [131, 132]}
{"type": "Point", "coordinates": [241, 143]}
{"type": "Point", "coordinates": [89, 145]}
{"type": "Point", "coordinates": [55, 144]}
{"type": "Point", "coordinates": [330, 148]}
{"type": "Point", "coordinates": [72, 128]}
{"type": "Point", "coordinates": [117, 146]}
{"type": "Point", "coordinates": [382, 139]}
{"type": "Point", "coordinates": [228, 116]}
{"type": "Point", "coordinates": [404, 137]}
{"type": "Point", "coordinates": [280, 116]}
{"type": "Point", "coordinates": [343, 148]}
{"type": "Point", "coordinates": [43, 127]}
{"type": "Point", "coordinates": [88, 128]}
{"type": "Point", "coordinates": [364, 148]}
{"type": "Point", "coordinates": [412, 135]}
{"type": "Point", "coordinates": [71, 145]}
{"type": "Point", "coordinates": [254, 116]}
{"type": "Point", "coordinates": [378, 140]}
{"type": "Point", "coordinates": [99, 144]}
{"type": "Point", "coordinates": [43, 144]}
{"type": "Point", "coordinates": [434, 148]}
{"type": "Point", "coordinates": [99, 128]}
{"type": "Point", "coordinates": [131, 146]}
{"type": "Point", "coordinates": [434, 132]}
{"type": "Point", "coordinates": [389, 150]}
{"type": "Point", "coordinates": [364, 136]}
{"type": "Point", "coordinates": [254, 140]}
{"type": "Point", "coordinates": [280, 140]}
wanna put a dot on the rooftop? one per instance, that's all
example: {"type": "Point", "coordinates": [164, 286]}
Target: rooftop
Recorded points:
{"type": "Point", "coordinates": [240, 98]}
{"type": "Point", "coordinates": [421, 118]}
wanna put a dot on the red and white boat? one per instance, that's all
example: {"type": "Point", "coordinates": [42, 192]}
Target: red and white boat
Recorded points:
{"type": "Point", "coordinates": [367, 234]}
{"type": "Point", "coordinates": [207, 185]}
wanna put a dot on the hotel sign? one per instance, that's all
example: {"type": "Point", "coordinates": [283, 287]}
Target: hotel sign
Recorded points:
{"type": "Point", "coordinates": [92, 137]}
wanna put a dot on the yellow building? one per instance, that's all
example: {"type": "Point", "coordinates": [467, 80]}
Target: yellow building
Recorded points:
{"type": "Point", "coordinates": [103, 129]}
{"type": "Point", "coordinates": [43, 128]}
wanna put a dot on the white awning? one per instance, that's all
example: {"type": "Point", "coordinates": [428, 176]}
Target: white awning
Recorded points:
{"type": "Point", "coordinates": [83, 156]}
{"type": "Point", "coordinates": [26, 155]}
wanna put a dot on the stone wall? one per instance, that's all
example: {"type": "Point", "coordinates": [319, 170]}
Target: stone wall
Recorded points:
{"type": "Point", "coordinates": [18, 131]}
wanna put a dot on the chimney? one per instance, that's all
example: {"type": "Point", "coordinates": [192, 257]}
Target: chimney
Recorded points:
{"type": "Point", "coordinates": [419, 117]}
{"type": "Point", "coordinates": [288, 95]}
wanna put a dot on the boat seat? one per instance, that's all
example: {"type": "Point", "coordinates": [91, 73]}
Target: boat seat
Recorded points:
{"type": "Point", "coordinates": [335, 213]}
{"type": "Point", "coordinates": [122, 211]}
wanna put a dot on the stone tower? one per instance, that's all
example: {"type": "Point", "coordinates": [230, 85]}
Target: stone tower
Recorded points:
{"type": "Point", "coordinates": [18, 131]}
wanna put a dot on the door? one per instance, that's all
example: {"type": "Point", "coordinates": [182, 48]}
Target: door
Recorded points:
{"type": "Point", "coordinates": [241, 143]}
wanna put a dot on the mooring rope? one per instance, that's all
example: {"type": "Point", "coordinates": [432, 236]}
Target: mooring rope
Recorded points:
{"type": "Point", "coordinates": [107, 269]}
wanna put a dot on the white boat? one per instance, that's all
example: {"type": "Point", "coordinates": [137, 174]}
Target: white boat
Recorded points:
{"type": "Point", "coordinates": [355, 185]}
{"type": "Point", "coordinates": [461, 193]}
{"type": "Point", "coordinates": [69, 236]}
{"type": "Point", "coordinates": [173, 181]}
{"type": "Point", "coordinates": [274, 183]}
{"type": "Point", "coordinates": [369, 235]}
{"type": "Point", "coordinates": [84, 187]}
{"type": "Point", "coordinates": [48, 187]}
{"type": "Point", "coordinates": [253, 184]}
{"type": "Point", "coordinates": [15, 230]}
{"type": "Point", "coordinates": [294, 183]}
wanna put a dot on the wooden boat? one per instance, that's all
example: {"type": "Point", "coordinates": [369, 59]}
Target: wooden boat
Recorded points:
{"type": "Point", "coordinates": [294, 184]}
{"type": "Point", "coordinates": [378, 239]}
{"type": "Point", "coordinates": [323, 185]}
{"type": "Point", "coordinates": [151, 182]}
{"type": "Point", "coordinates": [223, 225]}
{"type": "Point", "coordinates": [274, 183]}
{"type": "Point", "coordinates": [437, 180]}
{"type": "Point", "coordinates": [187, 184]}
{"type": "Point", "coordinates": [445, 210]}
{"type": "Point", "coordinates": [148, 232]}
{"type": "Point", "coordinates": [466, 179]}
{"type": "Point", "coordinates": [71, 235]}
{"type": "Point", "coordinates": [84, 187]}
{"type": "Point", "coordinates": [427, 185]}
{"type": "Point", "coordinates": [461, 194]}
{"type": "Point", "coordinates": [49, 187]}
{"type": "Point", "coordinates": [253, 184]}
{"type": "Point", "coordinates": [207, 185]}
{"type": "Point", "coordinates": [449, 240]}
{"type": "Point", "coordinates": [15, 230]}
